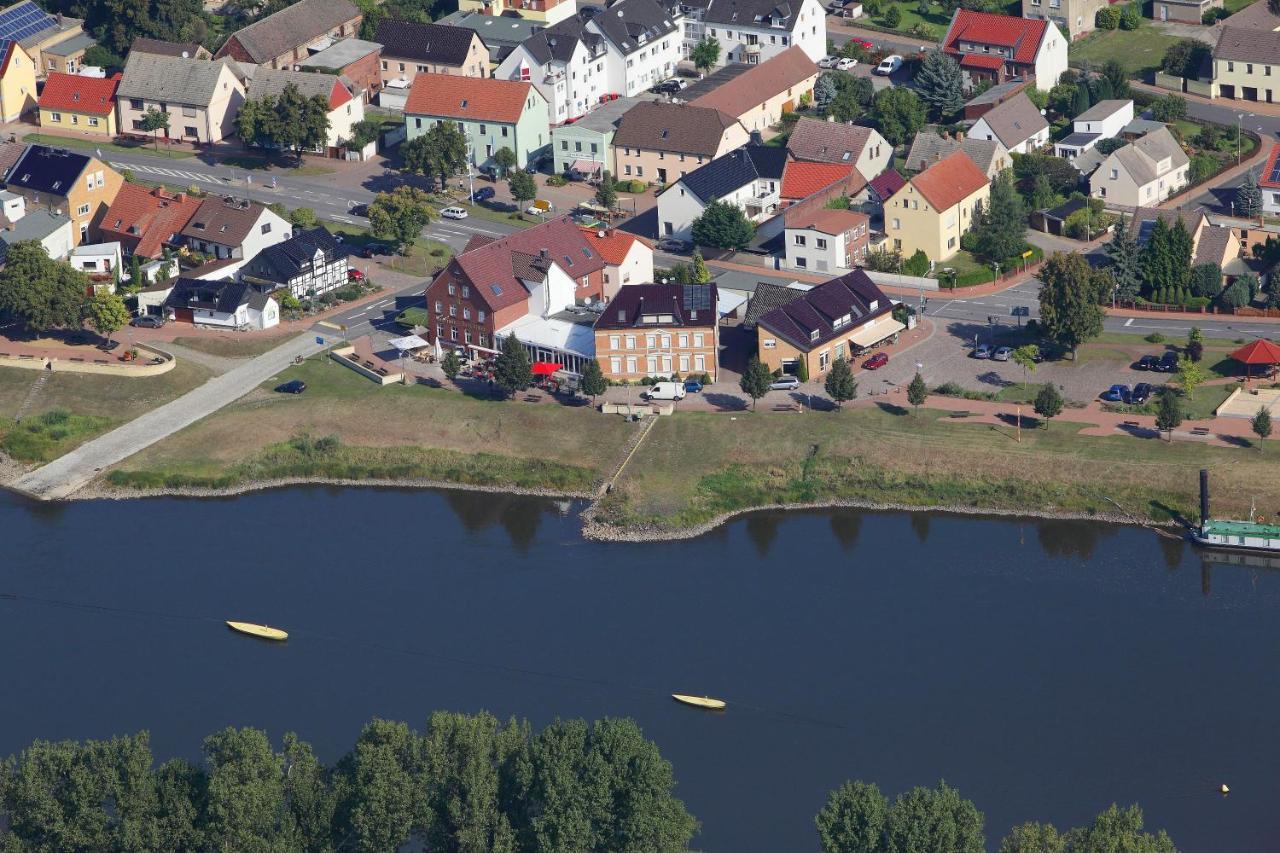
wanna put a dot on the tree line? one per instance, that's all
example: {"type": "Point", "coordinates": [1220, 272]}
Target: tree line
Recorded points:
{"type": "Point", "coordinates": [42, 294]}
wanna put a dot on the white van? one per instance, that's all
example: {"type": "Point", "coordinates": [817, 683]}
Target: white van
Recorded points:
{"type": "Point", "coordinates": [665, 391]}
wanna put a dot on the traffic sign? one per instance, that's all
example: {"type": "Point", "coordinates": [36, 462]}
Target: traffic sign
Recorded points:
{"type": "Point", "coordinates": [319, 341]}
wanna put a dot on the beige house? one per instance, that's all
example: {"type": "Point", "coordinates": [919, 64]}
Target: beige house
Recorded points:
{"type": "Point", "coordinates": [67, 183]}
{"type": "Point", "coordinates": [988, 154]}
{"type": "Point", "coordinates": [817, 141]}
{"type": "Point", "coordinates": [658, 330]}
{"type": "Point", "coordinates": [1142, 173]}
{"type": "Point", "coordinates": [761, 95]}
{"type": "Point", "coordinates": [410, 49]}
{"type": "Point", "coordinates": [1073, 17]}
{"type": "Point", "coordinates": [658, 143]}
{"type": "Point", "coordinates": [932, 210]}
{"type": "Point", "coordinates": [1246, 59]}
{"type": "Point", "coordinates": [201, 97]}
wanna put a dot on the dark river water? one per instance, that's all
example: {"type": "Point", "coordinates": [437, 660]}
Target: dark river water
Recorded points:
{"type": "Point", "coordinates": [1046, 669]}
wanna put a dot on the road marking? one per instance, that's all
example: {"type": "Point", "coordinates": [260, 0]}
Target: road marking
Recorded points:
{"type": "Point", "coordinates": [1128, 323]}
{"type": "Point", "coordinates": [328, 324]}
{"type": "Point", "coordinates": [342, 218]}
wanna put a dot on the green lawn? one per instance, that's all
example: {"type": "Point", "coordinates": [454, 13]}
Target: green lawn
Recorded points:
{"type": "Point", "coordinates": [936, 22]}
{"type": "Point", "coordinates": [426, 258]}
{"type": "Point", "coordinates": [1234, 6]}
{"type": "Point", "coordinates": [286, 164]}
{"type": "Point", "coordinates": [82, 143]}
{"type": "Point", "coordinates": [1138, 50]}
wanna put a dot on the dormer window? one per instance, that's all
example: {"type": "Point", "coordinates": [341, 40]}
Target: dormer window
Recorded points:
{"type": "Point", "coordinates": [813, 336]}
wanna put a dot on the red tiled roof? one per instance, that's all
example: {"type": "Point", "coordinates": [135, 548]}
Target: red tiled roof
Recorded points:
{"type": "Point", "coordinates": [1022, 34]}
{"type": "Point", "coordinates": [887, 183]}
{"type": "Point", "coordinates": [982, 60]}
{"type": "Point", "coordinates": [949, 181]}
{"type": "Point", "coordinates": [801, 179]}
{"type": "Point", "coordinates": [829, 221]}
{"type": "Point", "coordinates": [145, 218]}
{"type": "Point", "coordinates": [75, 94]}
{"type": "Point", "coordinates": [613, 246]}
{"type": "Point", "coordinates": [478, 98]}
{"type": "Point", "coordinates": [1273, 160]}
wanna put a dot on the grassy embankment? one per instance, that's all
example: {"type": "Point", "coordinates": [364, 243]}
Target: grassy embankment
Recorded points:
{"type": "Point", "coordinates": [696, 467]}
{"type": "Point", "coordinates": [345, 427]}
{"type": "Point", "coordinates": [71, 408]}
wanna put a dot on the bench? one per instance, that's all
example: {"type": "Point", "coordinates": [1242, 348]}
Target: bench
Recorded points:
{"type": "Point", "coordinates": [1200, 431]}
{"type": "Point", "coordinates": [786, 407]}
{"type": "Point", "coordinates": [73, 358]}
{"type": "Point", "coordinates": [961, 414]}
{"type": "Point", "coordinates": [100, 361]}
{"type": "Point", "coordinates": [1132, 424]}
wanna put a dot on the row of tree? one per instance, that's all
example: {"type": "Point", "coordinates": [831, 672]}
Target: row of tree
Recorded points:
{"type": "Point", "coordinates": [467, 783]}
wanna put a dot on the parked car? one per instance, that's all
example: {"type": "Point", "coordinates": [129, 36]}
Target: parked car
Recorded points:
{"type": "Point", "coordinates": [540, 207]}
{"type": "Point", "coordinates": [889, 65]}
{"type": "Point", "coordinates": [981, 351]}
{"type": "Point", "coordinates": [671, 244]}
{"type": "Point", "coordinates": [1002, 353]}
{"type": "Point", "coordinates": [293, 386]}
{"type": "Point", "coordinates": [482, 194]}
{"type": "Point", "coordinates": [1147, 362]}
{"type": "Point", "coordinates": [664, 391]}
{"type": "Point", "coordinates": [876, 361]}
{"type": "Point", "coordinates": [786, 383]}
{"type": "Point", "coordinates": [669, 87]}
{"type": "Point", "coordinates": [147, 321]}
{"type": "Point", "coordinates": [864, 44]}
{"type": "Point", "coordinates": [1169, 362]}
{"type": "Point", "coordinates": [354, 274]}
{"type": "Point", "coordinates": [372, 249]}
{"type": "Point", "coordinates": [1117, 394]}
{"type": "Point", "coordinates": [828, 61]}
{"type": "Point", "coordinates": [693, 386]}
{"type": "Point", "coordinates": [359, 210]}
{"type": "Point", "coordinates": [1141, 393]}
{"type": "Point", "coordinates": [846, 63]}
{"type": "Point", "coordinates": [453, 213]}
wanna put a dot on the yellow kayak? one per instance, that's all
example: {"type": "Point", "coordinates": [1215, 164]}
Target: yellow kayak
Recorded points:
{"type": "Point", "coordinates": [700, 701]}
{"type": "Point", "coordinates": [266, 632]}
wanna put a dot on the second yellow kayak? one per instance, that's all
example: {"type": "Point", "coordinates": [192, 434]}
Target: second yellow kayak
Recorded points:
{"type": "Point", "coordinates": [266, 632]}
{"type": "Point", "coordinates": [700, 701]}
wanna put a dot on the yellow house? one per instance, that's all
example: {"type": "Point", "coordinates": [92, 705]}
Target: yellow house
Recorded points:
{"type": "Point", "coordinates": [17, 83]}
{"type": "Point", "coordinates": [1246, 59]}
{"type": "Point", "coordinates": [934, 208]}
{"type": "Point", "coordinates": [79, 104]}
{"type": "Point", "coordinates": [68, 183]}
{"type": "Point", "coordinates": [764, 93]}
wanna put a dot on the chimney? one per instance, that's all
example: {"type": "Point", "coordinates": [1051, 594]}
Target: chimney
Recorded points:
{"type": "Point", "coordinates": [757, 138]}
{"type": "Point", "coordinates": [946, 134]}
{"type": "Point", "coordinates": [1204, 497]}
{"type": "Point", "coordinates": [959, 136]}
{"type": "Point", "coordinates": [543, 255]}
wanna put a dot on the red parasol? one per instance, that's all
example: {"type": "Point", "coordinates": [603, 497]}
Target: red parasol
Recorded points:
{"type": "Point", "coordinates": [545, 368]}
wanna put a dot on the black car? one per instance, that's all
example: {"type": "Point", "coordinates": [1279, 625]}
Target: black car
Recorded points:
{"type": "Point", "coordinates": [359, 210]}
{"type": "Point", "coordinates": [1140, 393]}
{"type": "Point", "coordinates": [147, 321]}
{"type": "Point", "coordinates": [667, 87]}
{"type": "Point", "coordinates": [1169, 362]}
{"type": "Point", "coordinates": [1148, 362]}
{"type": "Point", "coordinates": [482, 194]}
{"type": "Point", "coordinates": [372, 249]}
{"type": "Point", "coordinates": [293, 386]}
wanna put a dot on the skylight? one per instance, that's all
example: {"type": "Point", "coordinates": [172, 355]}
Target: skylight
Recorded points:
{"type": "Point", "coordinates": [496, 288]}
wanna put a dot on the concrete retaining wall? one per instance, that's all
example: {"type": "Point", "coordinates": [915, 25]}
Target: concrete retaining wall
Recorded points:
{"type": "Point", "coordinates": [339, 354]}
{"type": "Point", "coordinates": [641, 409]}
{"type": "Point", "coordinates": [889, 279]}
{"type": "Point", "coordinates": [110, 365]}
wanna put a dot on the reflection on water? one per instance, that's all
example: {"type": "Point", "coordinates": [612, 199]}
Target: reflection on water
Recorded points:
{"type": "Point", "coordinates": [1172, 548]}
{"type": "Point", "coordinates": [517, 514]}
{"type": "Point", "coordinates": [1071, 538]}
{"type": "Point", "coordinates": [846, 526]}
{"type": "Point", "coordinates": [762, 529]}
{"type": "Point", "coordinates": [920, 525]}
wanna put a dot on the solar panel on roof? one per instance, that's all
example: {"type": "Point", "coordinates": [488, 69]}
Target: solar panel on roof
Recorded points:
{"type": "Point", "coordinates": [24, 20]}
{"type": "Point", "coordinates": [697, 297]}
{"type": "Point", "coordinates": [1275, 171]}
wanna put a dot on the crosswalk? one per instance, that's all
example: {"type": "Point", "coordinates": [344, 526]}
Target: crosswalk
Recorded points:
{"type": "Point", "coordinates": [180, 174]}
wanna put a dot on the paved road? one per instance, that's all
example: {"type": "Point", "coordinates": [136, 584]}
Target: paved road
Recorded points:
{"type": "Point", "coordinates": [68, 473]}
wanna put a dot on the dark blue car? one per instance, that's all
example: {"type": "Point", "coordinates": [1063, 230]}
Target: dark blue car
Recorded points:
{"type": "Point", "coordinates": [482, 194]}
{"type": "Point", "coordinates": [692, 386]}
{"type": "Point", "coordinates": [1117, 394]}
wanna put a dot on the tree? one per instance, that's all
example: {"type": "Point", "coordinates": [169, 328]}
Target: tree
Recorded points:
{"type": "Point", "coordinates": [505, 159]}
{"type": "Point", "coordinates": [607, 192]}
{"type": "Point", "coordinates": [362, 133]}
{"type": "Point", "coordinates": [593, 383]}
{"type": "Point", "coordinates": [854, 817]}
{"type": "Point", "coordinates": [1118, 76]}
{"type": "Point", "coordinates": [1124, 262]}
{"type": "Point", "coordinates": [998, 233]}
{"type": "Point", "coordinates": [245, 790]}
{"type": "Point", "coordinates": [523, 188]}
{"type": "Point", "coordinates": [1131, 17]}
{"type": "Point", "coordinates": [290, 120]}
{"type": "Point", "coordinates": [1236, 294]}
{"type": "Point", "coordinates": [934, 819]}
{"type": "Point", "coordinates": [382, 773]}
{"type": "Point", "coordinates": [1042, 195]}
{"type": "Point", "coordinates": [1048, 403]}
{"type": "Point", "coordinates": [512, 371]}
{"type": "Point", "coordinates": [940, 84]}
{"type": "Point", "coordinates": [1169, 108]}
{"type": "Point", "coordinates": [1249, 196]}
{"type": "Point", "coordinates": [917, 264]}
{"type": "Point", "coordinates": [1190, 375]}
{"type": "Point", "coordinates": [1119, 829]}
{"type": "Point", "coordinates": [440, 152]}
{"type": "Point", "coordinates": [825, 91]}
{"type": "Point", "coordinates": [1081, 100]}
{"type": "Point", "coordinates": [1070, 300]}
{"type": "Point", "coordinates": [852, 95]}
{"type": "Point", "coordinates": [755, 380]}
{"type": "Point", "coordinates": [153, 121]}
{"type": "Point", "coordinates": [840, 384]}
{"type": "Point", "coordinates": [705, 54]}
{"type": "Point", "coordinates": [1026, 357]}
{"type": "Point", "coordinates": [1261, 425]}
{"type": "Point", "coordinates": [1206, 280]}
{"type": "Point", "coordinates": [451, 364]}
{"type": "Point", "coordinates": [917, 391]}
{"type": "Point", "coordinates": [303, 217]}
{"type": "Point", "coordinates": [39, 292]}
{"type": "Point", "coordinates": [1184, 57]}
{"type": "Point", "coordinates": [899, 113]}
{"type": "Point", "coordinates": [1166, 259]}
{"type": "Point", "coordinates": [107, 313]}
{"type": "Point", "coordinates": [1110, 146]}
{"type": "Point", "coordinates": [400, 215]}
{"type": "Point", "coordinates": [1169, 412]}
{"type": "Point", "coordinates": [698, 272]}
{"type": "Point", "coordinates": [723, 225]}
{"type": "Point", "coordinates": [1035, 837]}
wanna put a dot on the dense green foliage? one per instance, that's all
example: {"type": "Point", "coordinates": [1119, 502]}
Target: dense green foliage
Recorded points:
{"type": "Point", "coordinates": [399, 215]}
{"type": "Point", "coordinates": [1184, 58]}
{"type": "Point", "coordinates": [755, 380]}
{"type": "Point", "coordinates": [941, 85]}
{"type": "Point", "coordinates": [107, 313]}
{"type": "Point", "coordinates": [593, 382]}
{"type": "Point", "coordinates": [723, 225]}
{"type": "Point", "coordinates": [899, 113]}
{"type": "Point", "coordinates": [705, 54]}
{"type": "Point", "coordinates": [1248, 195]}
{"type": "Point", "coordinates": [512, 370]}
{"type": "Point", "coordinates": [998, 233]}
{"type": "Point", "coordinates": [468, 783]}
{"type": "Point", "coordinates": [441, 151]}
{"type": "Point", "coordinates": [839, 384]}
{"type": "Point", "coordinates": [1070, 299]}
{"type": "Point", "coordinates": [39, 292]}
{"type": "Point", "coordinates": [290, 121]}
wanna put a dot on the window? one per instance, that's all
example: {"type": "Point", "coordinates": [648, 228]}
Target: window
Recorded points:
{"type": "Point", "coordinates": [769, 343]}
{"type": "Point", "coordinates": [483, 130]}
{"type": "Point", "coordinates": [799, 239]}
{"type": "Point", "coordinates": [466, 292]}
{"type": "Point", "coordinates": [453, 333]}
{"type": "Point", "coordinates": [627, 169]}
{"type": "Point", "coordinates": [439, 307]}
{"type": "Point", "coordinates": [822, 243]}
{"type": "Point", "coordinates": [466, 313]}
{"type": "Point", "coordinates": [615, 342]}
{"type": "Point", "coordinates": [697, 339]}
{"type": "Point", "coordinates": [1231, 66]}
{"type": "Point", "coordinates": [93, 121]}
{"type": "Point", "coordinates": [639, 171]}
{"type": "Point", "coordinates": [135, 103]}
{"type": "Point", "coordinates": [615, 365]}
{"type": "Point", "coordinates": [801, 263]}
{"type": "Point", "coordinates": [56, 117]}
{"type": "Point", "coordinates": [683, 340]}
{"type": "Point", "coordinates": [401, 66]}
{"type": "Point", "coordinates": [480, 318]}
{"type": "Point", "coordinates": [82, 210]}
{"type": "Point", "coordinates": [631, 341]}
{"type": "Point", "coordinates": [266, 228]}
{"type": "Point", "coordinates": [564, 145]}
{"type": "Point", "coordinates": [951, 242]}
{"type": "Point", "coordinates": [824, 358]}
{"type": "Point", "coordinates": [505, 129]}
{"type": "Point", "coordinates": [384, 65]}
{"type": "Point", "coordinates": [453, 310]}
{"type": "Point", "coordinates": [1115, 173]}
{"type": "Point", "coordinates": [897, 224]}
{"type": "Point", "coordinates": [650, 341]}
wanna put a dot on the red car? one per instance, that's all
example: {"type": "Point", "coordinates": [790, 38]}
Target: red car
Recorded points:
{"type": "Point", "coordinates": [876, 361]}
{"type": "Point", "coordinates": [864, 44]}
{"type": "Point", "coordinates": [354, 274]}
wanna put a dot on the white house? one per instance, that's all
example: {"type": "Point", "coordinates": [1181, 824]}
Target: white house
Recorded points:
{"type": "Point", "coordinates": [223, 304]}
{"type": "Point", "coordinates": [749, 177]}
{"type": "Point", "coordinates": [619, 51]}
{"type": "Point", "coordinates": [1104, 120]}
{"type": "Point", "coordinates": [12, 206]}
{"type": "Point", "coordinates": [50, 228]}
{"type": "Point", "coordinates": [627, 259]}
{"type": "Point", "coordinates": [99, 261]}
{"type": "Point", "coordinates": [752, 31]}
{"type": "Point", "coordinates": [1269, 181]}
{"type": "Point", "coordinates": [1016, 124]}
{"type": "Point", "coordinates": [235, 228]}
{"type": "Point", "coordinates": [999, 48]}
{"type": "Point", "coordinates": [1143, 173]}
{"type": "Point", "coordinates": [826, 240]}
{"type": "Point", "coordinates": [346, 106]}
{"type": "Point", "coordinates": [310, 263]}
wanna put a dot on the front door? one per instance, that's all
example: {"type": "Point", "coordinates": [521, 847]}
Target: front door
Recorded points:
{"type": "Point", "coordinates": [662, 176]}
{"type": "Point", "coordinates": [1164, 13]}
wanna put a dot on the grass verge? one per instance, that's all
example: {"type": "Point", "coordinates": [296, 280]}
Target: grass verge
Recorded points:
{"type": "Point", "coordinates": [245, 347]}
{"type": "Point", "coordinates": [87, 144]}
{"type": "Point", "coordinates": [48, 435]}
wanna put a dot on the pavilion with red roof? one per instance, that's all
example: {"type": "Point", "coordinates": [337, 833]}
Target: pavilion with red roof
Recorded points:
{"type": "Point", "coordinates": [1259, 352]}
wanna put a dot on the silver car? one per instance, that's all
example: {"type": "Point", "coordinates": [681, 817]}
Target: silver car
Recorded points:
{"type": "Point", "coordinates": [981, 351]}
{"type": "Point", "coordinates": [1002, 354]}
{"type": "Point", "coordinates": [785, 383]}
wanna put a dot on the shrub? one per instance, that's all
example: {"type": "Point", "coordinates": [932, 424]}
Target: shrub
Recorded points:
{"type": "Point", "coordinates": [1107, 19]}
{"type": "Point", "coordinates": [893, 17]}
{"type": "Point", "coordinates": [1130, 18]}
{"type": "Point", "coordinates": [1154, 338]}
{"type": "Point", "coordinates": [635, 186]}
{"type": "Point", "coordinates": [917, 264]}
{"type": "Point", "coordinates": [557, 181]}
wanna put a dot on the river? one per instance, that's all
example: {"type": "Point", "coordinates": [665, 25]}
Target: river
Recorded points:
{"type": "Point", "coordinates": [1044, 668]}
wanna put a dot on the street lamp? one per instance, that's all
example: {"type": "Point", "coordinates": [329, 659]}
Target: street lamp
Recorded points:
{"type": "Point", "coordinates": [1239, 118]}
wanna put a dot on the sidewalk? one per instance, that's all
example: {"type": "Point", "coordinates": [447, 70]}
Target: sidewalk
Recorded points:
{"type": "Point", "coordinates": [941, 293]}
{"type": "Point", "coordinates": [1247, 106]}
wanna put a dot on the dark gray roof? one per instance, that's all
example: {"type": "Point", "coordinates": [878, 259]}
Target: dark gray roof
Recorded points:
{"type": "Point", "coordinates": [499, 32]}
{"type": "Point", "coordinates": [558, 42]}
{"type": "Point", "coordinates": [928, 148]}
{"type": "Point", "coordinates": [997, 94]}
{"type": "Point", "coordinates": [714, 81]}
{"type": "Point", "coordinates": [284, 261]}
{"type": "Point", "coordinates": [424, 42]}
{"type": "Point", "coordinates": [1247, 44]}
{"type": "Point", "coordinates": [189, 50]}
{"type": "Point", "coordinates": [48, 170]}
{"type": "Point", "coordinates": [221, 296]}
{"type": "Point", "coordinates": [1015, 121]}
{"type": "Point", "coordinates": [1078, 139]}
{"type": "Point", "coordinates": [816, 310]}
{"type": "Point", "coordinates": [739, 167]}
{"type": "Point", "coordinates": [765, 298]}
{"type": "Point", "coordinates": [751, 12]}
{"type": "Point", "coordinates": [170, 79]}
{"type": "Point", "coordinates": [632, 24]}
{"type": "Point", "coordinates": [687, 304]}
